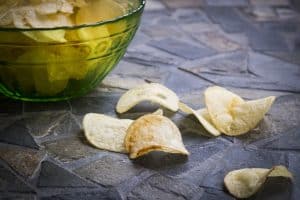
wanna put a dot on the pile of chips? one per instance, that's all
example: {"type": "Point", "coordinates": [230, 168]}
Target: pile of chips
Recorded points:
{"type": "Point", "coordinates": [50, 68]}
{"type": "Point", "coordinates": [225, 112]}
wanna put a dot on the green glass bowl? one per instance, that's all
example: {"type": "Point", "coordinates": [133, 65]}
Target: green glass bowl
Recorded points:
{"type": "Point", "coordinates": [54, 71]}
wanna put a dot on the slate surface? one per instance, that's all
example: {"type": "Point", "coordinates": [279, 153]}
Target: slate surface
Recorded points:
{"type": "Point", "coordinates": [248, 46]}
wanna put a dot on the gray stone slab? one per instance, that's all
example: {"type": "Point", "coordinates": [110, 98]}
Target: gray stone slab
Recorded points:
{"type": "Point", "coordinates": [213, 194]}
{"type": "Point", "coordinates": [101, 104]}
{"type": "Point", "coordinates": [294, 164]}
{"type": "Point", "coordinates": [280, 26]}
{"type": "Point", "coordinates": [10, 183]}
{"type": "Point", "coordinates": [160, 188]}
{"type": "Point", "coordinates": [110, 170]}
{"type": "Point", "coordinates": [211, 173]}
{"type": "Point", "coordinates": [174, 4]}
{"type": "Point", "coordinates": [147, 57]}
{"type": "Point", "coordinates": [188, 16]}
{"type": "Point", "coordinates": [270, 3]}
{"type": "Point", "coordinates": [52, 175]}
{"type": "Point", "coordinates": [18, 134]}
{"type": "Point", "coordinates": [85, 195]}
{"type": "Point", "coordinates": [13, 196]}
{"type": "Point", "coordinates": [292, 57]}
{"type": "Point", "coordinates": [182, 82]}
{"type": "Point", "coordinates": [161, 31]}
{"type": "Point", "coordinates": [70, 149]}
{"type": "Point", "coordinates": [217, 41]}
{"type": "Point", "coordinates": [42, 123]}
{"type": "Point", "coordinates": [249, 81]}
{"type": "Point", "coordinates": [233, 3]}
{"type": "Point", "coordinates": [174, 165]}
{"type": "Point", "coordinates": [182, 49]}
{"type": "Point", "coordinates": [234, 63]}
{"type": "Point", "coordinates": [23, 160]}
{"type": "Point", "coordinates": [287, 141]}
{"type": "Point", "coordinates": [273, 69]}
{"type": "Point", "coordinates": [229, 19]}
{"type": "Point", "coordinates": [266, 40]}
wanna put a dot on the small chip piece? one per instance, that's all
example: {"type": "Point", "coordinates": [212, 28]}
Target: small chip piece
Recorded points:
{"type": "Point", "coordinates": [243, 183]}
{"type": "Point", "coordinates": [198, 114]}
{"type": "Point", "coordinates": [231, 114]}
{"type": "Point", "coordinates": [106, 132]}
{"type": "Point", "coordinates": [153, 92]}
{"type": "Point", "coordinates": [153, 132]}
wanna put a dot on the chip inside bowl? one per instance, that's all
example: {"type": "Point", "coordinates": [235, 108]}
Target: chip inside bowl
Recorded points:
{"type": "Point", "coordinates": [200, 116]}
{"type": "Point", "coordinates": [153, 132]}
{"type": "Point", "coordinates": [106, 132]}
{"type": "Point", "coordinates": [231, 114]}
{"type": "Point", "coordinates": [152, 92]}
{"type": "Point", "coordinates": [243, 183]}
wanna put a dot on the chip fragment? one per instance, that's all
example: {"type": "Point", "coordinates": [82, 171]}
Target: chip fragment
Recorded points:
{"type": "Point", "coordinates": [153, 92]}
{"type": "Point", "coordinates": [106, 132]}
{"type": "Point", "coordinates": [231, 114]}
{"type": "Point", "coordinates": [243, 183]}
{"type": "Point", "coordinates": [200, 116]}
{"type": "Point", "coordinates": [153, 132]}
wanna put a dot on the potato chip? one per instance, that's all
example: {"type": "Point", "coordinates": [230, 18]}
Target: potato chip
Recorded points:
{"type": "Point", "coordinates": [280, 171]}
{"type": "Point", "coordinates": [105, 132]}
{"type": "Point", "coordinates": [249, 114]}
{"type": "Point", "coordinates": [243, 183]}
{"type": "Point", "coordinates": [153, 133]}
{"type": "Point", "coordinates": [205, 123]}
{"type": "Point", "coordinates": [231, 114]}
{"type": "Point", "coordinates": [97, 11]}
{"type": "Point", "coordinates": [153, 92]}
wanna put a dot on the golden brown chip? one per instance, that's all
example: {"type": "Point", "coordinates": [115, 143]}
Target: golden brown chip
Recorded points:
{"type": "Point", "coordinates": [153, 133]}
{"type": "Point", "coordinates": [205, 123]}
{"type": "Point", "coordinates": [243, 183]}
{"type": "Point", "coordinates": [153, 92]}
{"type": "Point", "coordinates": [105, 132]}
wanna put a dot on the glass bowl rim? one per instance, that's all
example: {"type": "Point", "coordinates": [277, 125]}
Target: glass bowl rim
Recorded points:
{"type": "Point", "coordinates": [127, 15]}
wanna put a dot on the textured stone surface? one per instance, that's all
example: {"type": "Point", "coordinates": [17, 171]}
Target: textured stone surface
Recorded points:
{"type": "Point", "coordinates": [109, 170]}
{"type": "Point", "coordinates": [23, 161]}
{"type": "Point", "coordinates": [160, 187]}
{"type": "Point", "coordinates": [17, 133]}
{"type": "Point", "coordinates": [176, 47]}
{"type": "Point", "coordinates": [70, 148]}
{"type": "Point", "coordinates": [10, 183]}
{"type": "Point", "coordinates": [212, 172]}
{"type": "Point", "coordinates": [52, 175]}
{"type": "Point", "coordinates": [251, 47]}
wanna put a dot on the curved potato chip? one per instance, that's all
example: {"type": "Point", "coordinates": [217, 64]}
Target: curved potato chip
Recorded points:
{"type": "Point", "coordinates": [153, 92]}
{"type": "Point", "coordinates": [280, 171]}
{"type": "Point", "coordinates": [105, 132]}
{"type": "Point", "coordinates": [243, 183]}
{"type": "Point", "coordinates": [231, 114]}
{"type": "Point", "coordinates": [198, 114]}
{"type": "Point", "coordinates": [249, 114]}
{"type": "Point", "coordinates": [219, 102]}
{"type": "Point", "coordinates": [153, 133]}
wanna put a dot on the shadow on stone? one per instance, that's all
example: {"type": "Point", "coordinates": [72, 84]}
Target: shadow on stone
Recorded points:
{"type": "Point", "coordinates": [159, 160]}
{"type": "Point", "coordinates": [275, 188]}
